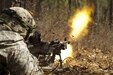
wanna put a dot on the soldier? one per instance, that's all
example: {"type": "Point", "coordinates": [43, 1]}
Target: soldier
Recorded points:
{"type": "Point", "coordinates": [38, 47]}
{"type": "Point", "coordinates": [41, 49]}
{"type": "Point", "coordinates": [16, 23]}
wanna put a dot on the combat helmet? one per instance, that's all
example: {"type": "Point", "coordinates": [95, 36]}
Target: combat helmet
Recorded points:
{"type": "Point", "coordinates": [21, 16]}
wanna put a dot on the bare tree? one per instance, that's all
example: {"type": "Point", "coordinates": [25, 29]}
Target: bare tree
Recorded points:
{"type": "Point", "coordinates": [110, 12]}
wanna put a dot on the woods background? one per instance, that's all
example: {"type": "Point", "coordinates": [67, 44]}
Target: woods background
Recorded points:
{"type": "Point", "coordinates": [52, 18]}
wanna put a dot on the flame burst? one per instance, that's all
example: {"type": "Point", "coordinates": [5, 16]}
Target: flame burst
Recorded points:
{"type": "Point", "coordinates": [79, 25]}
{"type": "Point", "coordinates": [67, 53]}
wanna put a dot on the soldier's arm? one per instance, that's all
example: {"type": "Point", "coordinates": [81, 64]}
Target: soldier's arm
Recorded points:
{"type": "Point", "coordinates": [18, 58]}
{"type": "Point", "coordinates": [22, 62]}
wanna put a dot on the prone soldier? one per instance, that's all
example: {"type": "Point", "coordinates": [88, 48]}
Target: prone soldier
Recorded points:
{"type": "Point", "coordinates": [16, 23]}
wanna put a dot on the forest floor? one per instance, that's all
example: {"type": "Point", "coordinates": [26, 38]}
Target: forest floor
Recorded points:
{"type": "Point", "coordinates": [93, 54]}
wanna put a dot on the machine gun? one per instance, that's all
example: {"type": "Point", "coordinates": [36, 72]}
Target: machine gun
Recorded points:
{"type": "Point", "coordinates": [48, 50]}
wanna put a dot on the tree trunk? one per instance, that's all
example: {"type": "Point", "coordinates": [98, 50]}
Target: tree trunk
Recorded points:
{"type": "Point", "coordinates": [38, 7]}
{"type": "Point", "coordinates": [69, 4]}
{"type": "Point", "coordinates": [110, 13]}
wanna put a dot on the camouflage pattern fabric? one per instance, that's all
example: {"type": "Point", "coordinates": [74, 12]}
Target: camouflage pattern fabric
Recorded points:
{"type": "Point", "coordinates": [15, 56]}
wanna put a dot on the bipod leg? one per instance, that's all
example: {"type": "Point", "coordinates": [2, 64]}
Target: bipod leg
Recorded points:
{"type": "Point", "coordinates": [60, 60]}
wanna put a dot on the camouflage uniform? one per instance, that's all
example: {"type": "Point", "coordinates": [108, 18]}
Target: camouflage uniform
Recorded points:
{"type": "Point", "coordinates": [15, 57]}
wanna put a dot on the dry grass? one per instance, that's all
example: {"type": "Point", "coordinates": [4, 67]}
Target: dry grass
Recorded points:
{"type": "Point", "coordinates": [94, 51]}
